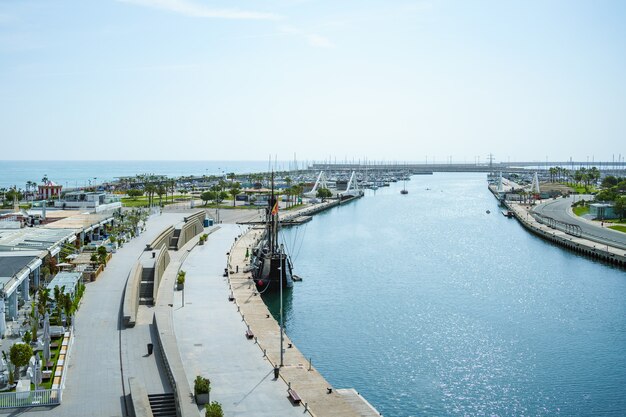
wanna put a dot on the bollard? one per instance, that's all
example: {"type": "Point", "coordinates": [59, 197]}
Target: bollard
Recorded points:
{"type": "Point", "coordinates": [310, 360]}
{"type": "Point", "coordinates": [276, 372]}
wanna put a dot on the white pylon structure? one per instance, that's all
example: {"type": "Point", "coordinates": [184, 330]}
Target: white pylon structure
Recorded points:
{"type": "Point", "coordinates": [320, 183]}
{"type": "Point", "coordinates": [353, 186]}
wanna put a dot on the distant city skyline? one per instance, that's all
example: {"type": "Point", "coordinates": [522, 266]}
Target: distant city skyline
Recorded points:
{"type": "Point", "coordinates": [387, 81]}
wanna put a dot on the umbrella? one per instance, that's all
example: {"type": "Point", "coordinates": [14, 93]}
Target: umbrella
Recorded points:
{"type": "Point", "coordinates": [46, 338]}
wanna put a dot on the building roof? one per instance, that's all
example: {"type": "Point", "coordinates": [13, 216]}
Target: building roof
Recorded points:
{"type": "Point", "coordinates": [33, 238]}
{"type": "Point", "coordinates": [65, 279]}
{"type": "Point", "coordinates": [79, 222]}
{"type": "Point", "coordinates": [11, 265]}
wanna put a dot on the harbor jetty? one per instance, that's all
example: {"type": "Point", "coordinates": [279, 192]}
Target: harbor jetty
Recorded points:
{"type": "Point", "coordinates": [568, 236]}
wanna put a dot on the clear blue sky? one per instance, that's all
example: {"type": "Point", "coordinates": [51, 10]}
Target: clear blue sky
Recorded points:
{"type": "Point", "coordinates": [393, 80]}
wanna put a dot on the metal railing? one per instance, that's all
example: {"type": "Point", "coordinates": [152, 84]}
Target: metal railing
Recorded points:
{"type": "Point", "coordinates": [42, 397]}
{"type": "Point", "coordinates": [569, 228]}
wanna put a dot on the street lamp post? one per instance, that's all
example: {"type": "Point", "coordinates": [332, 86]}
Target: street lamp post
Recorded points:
{"type": "Point", "coordinates": [282, 328]}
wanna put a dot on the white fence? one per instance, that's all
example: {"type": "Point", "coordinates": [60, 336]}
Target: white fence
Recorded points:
{"type": "Point", "coordinates": [30, 398]}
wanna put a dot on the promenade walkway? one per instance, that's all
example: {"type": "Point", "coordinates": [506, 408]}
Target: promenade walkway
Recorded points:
{"type": "Point", "coordinates": [560, 209]}
{"type": "Point", "coordinates": [211, 337]}
{"type": "Point", "coordinates": [94, 380]}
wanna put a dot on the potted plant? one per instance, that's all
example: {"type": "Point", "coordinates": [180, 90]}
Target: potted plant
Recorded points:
{"type": "Point", "coordinates": [203, 239]}
{"type": "Point", "coordinates": [180, 280]}
{"type": "Point", "coordinates": [213, 410]}
{"type": "Point", "coordinates": [201, 390]}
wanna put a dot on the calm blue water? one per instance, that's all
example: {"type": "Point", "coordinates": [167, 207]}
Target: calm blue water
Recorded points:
{"type": "Point", "coordinates": [429, 306]}
{"type": "Point", "coordinates": [79, 173]}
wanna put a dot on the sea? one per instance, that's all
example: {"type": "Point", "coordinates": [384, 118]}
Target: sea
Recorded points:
{"type": "Point", "coordinates": [76, 174]}
{"type": "Point", "coordinates": [428, 305]}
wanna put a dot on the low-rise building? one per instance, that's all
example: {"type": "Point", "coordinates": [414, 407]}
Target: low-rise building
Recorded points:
{"type": "Point", "coordinates": [602, 211]}
{"type": "Point", "coordinates": [91, 201]}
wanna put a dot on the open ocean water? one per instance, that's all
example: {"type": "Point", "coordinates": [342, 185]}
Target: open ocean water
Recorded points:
{"type": "Point", "coordinates": [429, 306]}
{"type": "Point", "coordinates": [74, 174]}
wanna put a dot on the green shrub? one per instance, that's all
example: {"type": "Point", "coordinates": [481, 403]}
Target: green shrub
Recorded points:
{"type": "Point", "coordinates": [201, 385]}
{"type": "Point", "coordinates": [214, 410]}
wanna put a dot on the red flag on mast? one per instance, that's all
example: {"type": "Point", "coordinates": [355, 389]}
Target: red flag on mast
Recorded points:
{"type": "Point", "coordinates": [275, 209]}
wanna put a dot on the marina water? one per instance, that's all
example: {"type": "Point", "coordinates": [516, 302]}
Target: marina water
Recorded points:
{"type": "Point", "coordinates": [427, 305]}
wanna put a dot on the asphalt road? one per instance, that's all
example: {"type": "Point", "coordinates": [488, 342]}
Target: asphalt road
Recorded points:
{"type": "Point", "coordinates": [559, 210]}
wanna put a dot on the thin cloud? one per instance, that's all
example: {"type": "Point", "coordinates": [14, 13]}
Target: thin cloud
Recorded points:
{"type": "Point", "coordinates": [192, 9]}
{"type": "Point", "coordinates": [313, 39]}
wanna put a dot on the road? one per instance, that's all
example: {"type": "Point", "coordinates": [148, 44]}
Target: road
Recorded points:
{"type": "Point", "coordinates": [559, 210]}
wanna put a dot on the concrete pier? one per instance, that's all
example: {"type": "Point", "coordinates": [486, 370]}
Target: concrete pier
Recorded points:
{"type": "Point", "coordinates": [321, 398]}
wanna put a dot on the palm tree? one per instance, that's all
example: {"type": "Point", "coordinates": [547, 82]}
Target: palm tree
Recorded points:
{"type": "Point", "coordinates": [160, 190]}
{"type": "Point", "coordinates": [234, 191]}
{"type": "Point", "coordinates": [45, 180]}
{"type": "Point", "coordinates": [149, 188]}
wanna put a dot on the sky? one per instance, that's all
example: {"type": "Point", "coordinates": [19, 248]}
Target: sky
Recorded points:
{"type": "Point", "coordinates": [322, 79]}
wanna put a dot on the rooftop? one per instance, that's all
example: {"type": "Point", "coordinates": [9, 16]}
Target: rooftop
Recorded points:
{"type": "Point", "coordinates": [11, 265]}
{"type": "Point", "coordinates": [33, 238]}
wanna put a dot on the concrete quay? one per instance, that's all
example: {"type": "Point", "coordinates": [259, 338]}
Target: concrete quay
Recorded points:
{"type": "Point", "coordinates": [318, 396]}
{"type": "Point", "coordinates": [607, 253]}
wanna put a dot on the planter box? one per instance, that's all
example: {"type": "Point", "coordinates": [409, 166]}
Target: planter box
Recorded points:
{"type": "Point", "coordinates": [202, 399]}
{"type": "Point", "coordinates": [179, 287]}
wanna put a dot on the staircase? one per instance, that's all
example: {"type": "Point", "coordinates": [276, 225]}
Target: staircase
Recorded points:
{"type": "Point", "coordinates": [174, 240]}
{"type": "Point", "coordinates": [146, 288]}
{"type": "Point", "coordinates": [162, 405]}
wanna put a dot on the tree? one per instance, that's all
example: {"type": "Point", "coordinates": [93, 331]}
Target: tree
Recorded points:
{"type": "Point", "coordinates": [20, 355]}
{"type": "Point", "coordinates": [606, 195]}
{"type": "Point", "coordinates": [68, 308]}
{"type": "Point", "coordinates": [160, 190]}
{"type": "Point", "coordinates": [620, 206]}
{"type": "Point", "coordinates": [134, 193]}
{"type": "Point", "coordinates": [58, 301]}
{"type": "Point", "coordinates": [234, 191]}
{"type": "Point", "coordinates": [206, 196]}
{"type": "Point", "coordinates": [324, 193]}
{"type": "Point", "coordinates": [609, 181]}
{"type": "Point", "coordinates": [102, 255]}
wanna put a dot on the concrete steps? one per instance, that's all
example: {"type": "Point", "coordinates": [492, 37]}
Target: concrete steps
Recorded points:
{"type": "Point", "coordinates": [162, 405]}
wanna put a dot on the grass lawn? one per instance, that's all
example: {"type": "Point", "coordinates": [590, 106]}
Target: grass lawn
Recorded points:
{"type": "Point", "coordinates": [296, 206]}
{"type": "Point", "coordinates": [580, 189]}
{"type": "Point", "coordinates": [580, 210]}
{"type": "Point", "coordinates": [143, 200]}
{"type": "Point", "coordinates": [228, 206]}
{"type": "Point", "coordinates": [619, 228]}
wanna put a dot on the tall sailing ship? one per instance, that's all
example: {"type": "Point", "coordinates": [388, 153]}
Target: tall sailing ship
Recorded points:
{"type": "Point", "coordinates": [271, 265]}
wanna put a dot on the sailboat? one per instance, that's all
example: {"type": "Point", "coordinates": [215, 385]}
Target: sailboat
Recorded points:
{"type": "Point", "coordinates": [271, 266]}
{"type": "Point", "coordinates": [404, 190]}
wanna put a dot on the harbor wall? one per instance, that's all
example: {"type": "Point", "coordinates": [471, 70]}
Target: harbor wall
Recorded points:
{"type": "Point", "coordinates": [606, 253]}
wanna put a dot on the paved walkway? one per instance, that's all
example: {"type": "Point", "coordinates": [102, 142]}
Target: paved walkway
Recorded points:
{"type": "Point", "coordinates": [94, 382]}
{"type": "Point", "coordinates": [211, 337]}
{"type": "Point", "coordinates": [559, 209]}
